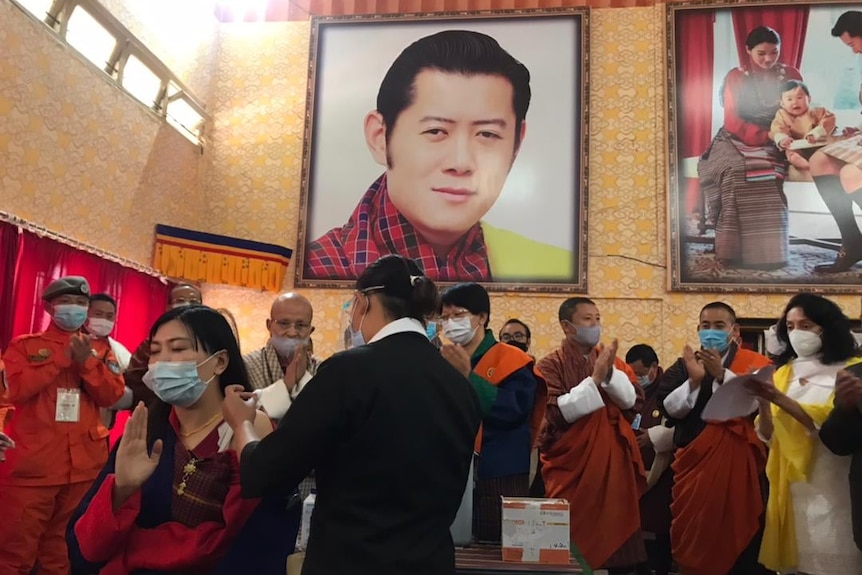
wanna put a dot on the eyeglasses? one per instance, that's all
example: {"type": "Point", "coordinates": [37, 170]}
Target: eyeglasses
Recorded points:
{"type": "Point", "coordinates": [299, 326]}
{"type": "Point", "coordinates": [456, 314]}
{"type": "Point", "coordinates": [517, 336]}
{"type": "Point", "coordinates": [186, 301]}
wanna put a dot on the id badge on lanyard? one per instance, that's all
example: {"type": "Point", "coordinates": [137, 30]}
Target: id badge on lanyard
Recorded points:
{"type": "Point", "coordinates": [68, 405]}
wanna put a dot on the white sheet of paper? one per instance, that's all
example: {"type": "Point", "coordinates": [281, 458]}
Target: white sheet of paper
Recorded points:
{"type": "Point", "coordinates": [803, 144]}
{"type": "Point", "coordinates": [731, 399]}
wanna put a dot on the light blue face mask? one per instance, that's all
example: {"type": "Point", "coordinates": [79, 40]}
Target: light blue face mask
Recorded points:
{"type": "Point", "coordinates": [716, 339]}
{"type": "Point", "coordinates": [431, 330]}
{"type": "Point", "coordinates": [177, 382]}
{"type": "Point", "coordinates": [69, 316]}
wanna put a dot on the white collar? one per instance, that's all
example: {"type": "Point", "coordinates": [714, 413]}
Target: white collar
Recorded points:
{"type": "Point", "coordinates": [403, 325]}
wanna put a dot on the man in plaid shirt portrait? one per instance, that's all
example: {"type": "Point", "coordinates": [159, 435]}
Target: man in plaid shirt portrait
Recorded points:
{"type": "Point", "coordinates": [448, 126]}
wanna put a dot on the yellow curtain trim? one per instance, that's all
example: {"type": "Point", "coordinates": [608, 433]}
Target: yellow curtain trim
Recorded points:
{"type": "Point", "coordinates": [198, 265]}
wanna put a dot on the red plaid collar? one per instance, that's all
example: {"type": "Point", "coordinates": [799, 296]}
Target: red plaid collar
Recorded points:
{"type": "Point", "coordinates": [376, 228]}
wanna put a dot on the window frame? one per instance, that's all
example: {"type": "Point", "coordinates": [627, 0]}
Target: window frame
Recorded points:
{"type": "Point", "coordinates": [57, 19]}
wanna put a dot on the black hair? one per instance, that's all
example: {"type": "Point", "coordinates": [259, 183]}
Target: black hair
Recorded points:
{"type": "Point", "coordinates": [104, 297]}
{"type": "Point", "coordinates": [849, 22]}
{"type": "Point", "coordinates": [570, 306]}
{"type": "Point", "coordinates": [762, 35]}
{"type": "Point", "coordinates": [643, 353]}
{"type": "Point", "coordinates": [790, 85]}
{"type": "Point", "coordinates": [471, 296]}
{"type": "Point", "coordinates": [838, 343]}
{"type": "Point", "coordinates": [404, 289]}
{"type": "Point", "coordinates": [457, 52]}
{"type": "Point", "coordinates": [210, 332]}
{"type": "Point", "coordinates": [520, 323]}
{"type": "Point", "coordinates": [719, 305]}
{"type": "Point", "coordinates": [231, 321]}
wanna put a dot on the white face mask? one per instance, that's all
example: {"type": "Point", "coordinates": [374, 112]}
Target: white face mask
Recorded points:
{"type": "Point", "coordinates": [459, 330]}
{"type": "Point", "coordinates": [805, 343]}
{"type": "Point", "coordinates": [644, 380]}
{"type": "Point", "coordinates": [99, 326]}
{"type": "Point", "coordinates": [286, 346]}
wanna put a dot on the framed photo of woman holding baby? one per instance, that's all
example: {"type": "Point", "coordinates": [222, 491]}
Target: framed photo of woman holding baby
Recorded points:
{"type": "Point", "coordinates": [765, 148]}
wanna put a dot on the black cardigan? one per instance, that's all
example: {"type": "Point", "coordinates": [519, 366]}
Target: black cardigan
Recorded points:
{"type": "Point", "coordinates": [389, 429]}
{"type": "Point", "coordinates": [842, 435]}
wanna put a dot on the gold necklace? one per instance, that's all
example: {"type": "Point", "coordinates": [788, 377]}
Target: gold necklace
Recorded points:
{"type": "Point", "coordinates": [202, 427]}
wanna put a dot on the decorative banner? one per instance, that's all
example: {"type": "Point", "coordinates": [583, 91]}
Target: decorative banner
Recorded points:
{"type": "Point", "coordinates": [203, 257]}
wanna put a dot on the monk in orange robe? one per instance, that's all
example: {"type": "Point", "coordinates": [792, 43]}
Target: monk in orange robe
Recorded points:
{"type": "Point", "coordinates": [588, 449]}
{"type": "Point", "coordinates": [718, 467]}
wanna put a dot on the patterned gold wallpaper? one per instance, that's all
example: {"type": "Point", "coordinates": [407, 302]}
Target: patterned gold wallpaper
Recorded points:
{"type": "Point", "coordinates": [255, 171]}
{"type": "Point", "coordinates": [81, 157]}
{"type": "Point", "coordinates": [116, 183]}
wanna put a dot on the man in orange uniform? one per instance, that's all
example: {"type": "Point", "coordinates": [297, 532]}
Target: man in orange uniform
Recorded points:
{"type": "Point", "coordinates": [589, 452]}
{"type": "Point", "coordinates": [717, 504]}
{"type": "Point", "coordinates": [57, 380]}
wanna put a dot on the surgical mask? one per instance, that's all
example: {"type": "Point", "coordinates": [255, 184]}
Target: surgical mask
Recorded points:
{"type": "Point", "coordinates": [459, 330]}
{"type": "Point", "coordinates": [774, 346]}
{"type": "Point", "coordinates": [353, 337]}
{"type": "Point", "coordinates": [70, 317]}
{"type": "Point", "coordinates": [716, 339]}
{"type": "Point", "coordinates": [286, 346]}
{"type": "Point", "coordinates": [644, 380]}
{"type": "Point", "coordinates": [177, 382]}
{"type": "Point", "coordinates": [522, 345]}
{"type": "Point", "coordinates": [431, 330]}
{"type": "Point", "coordinates": [805, 343]}
{"type": "Point", "coordinates": [99, 326]}
{"type": "Point", "coordinates": [586, 335]}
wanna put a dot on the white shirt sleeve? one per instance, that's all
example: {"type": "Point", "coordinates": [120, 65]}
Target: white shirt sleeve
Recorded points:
{"type": "Point", "coordinates": [661, 438]}
{"type": "Point", "coordinates": [125, 402]}
{"type": "Point", "coordinates": [620, 389]}
{"type": "Point", "coordinates": [275, 399]}
{"type": "Point", "coordinates": [681, 400]}
{"type": "Point", "coordinates": [580, 401]}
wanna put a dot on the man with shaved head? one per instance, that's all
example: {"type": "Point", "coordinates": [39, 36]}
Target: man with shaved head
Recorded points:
{"type": "Point", "coordinates": [281, 368]}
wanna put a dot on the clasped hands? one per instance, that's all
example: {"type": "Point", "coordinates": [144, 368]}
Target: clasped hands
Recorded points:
{"type": "Point", "coordinates": [700, 363]}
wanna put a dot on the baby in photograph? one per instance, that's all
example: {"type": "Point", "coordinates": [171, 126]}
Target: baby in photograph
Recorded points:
{"type": "Point", "coordinates": [797, 120]}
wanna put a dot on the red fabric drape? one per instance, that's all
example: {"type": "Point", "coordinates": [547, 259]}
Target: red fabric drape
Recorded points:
{"type": "Point", "coordinates": [791, 23]}
{"type": "Point", "coordinates": [9, 239]}
{"type": "Point", "coordinates": [38, 261]}
{"type": "Point", "coordinates": [695, 50]}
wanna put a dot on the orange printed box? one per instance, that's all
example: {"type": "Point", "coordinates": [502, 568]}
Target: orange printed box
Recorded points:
{"type": "Point", "coordinates": [536, 530]}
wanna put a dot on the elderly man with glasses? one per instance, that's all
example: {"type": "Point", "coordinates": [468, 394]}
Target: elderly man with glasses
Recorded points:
{"type": "Point", "coordinates": [280, 369]}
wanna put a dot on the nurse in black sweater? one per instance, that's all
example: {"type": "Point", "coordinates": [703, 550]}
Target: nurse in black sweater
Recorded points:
{"type": "Point", "coordinates": [388, 426]}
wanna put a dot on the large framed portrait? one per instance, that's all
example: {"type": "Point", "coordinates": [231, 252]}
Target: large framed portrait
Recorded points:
{"type": "Point", "coordinates": [458, 140]}
{"type": "Point", "coordinates": [765, 148]}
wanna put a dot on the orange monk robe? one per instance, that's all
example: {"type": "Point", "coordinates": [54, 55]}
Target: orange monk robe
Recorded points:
{"type": "Point", "coordinates": [717, 502]}
{"type": "Point", "coordinates": [594, 461]}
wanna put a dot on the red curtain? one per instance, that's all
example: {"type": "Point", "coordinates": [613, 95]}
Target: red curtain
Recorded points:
{"type": "Point", "coordinates": [695, 50]}
{"type": "Point", "coordinates": [9, 239]}
{"type": "Point", "coordinates": [791, 23]}
{"type": "Point", "coordinates": [38, 261]}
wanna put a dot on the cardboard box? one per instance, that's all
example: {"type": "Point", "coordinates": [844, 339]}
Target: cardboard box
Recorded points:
{"type": "Point", "coordinates": [536, 530]}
